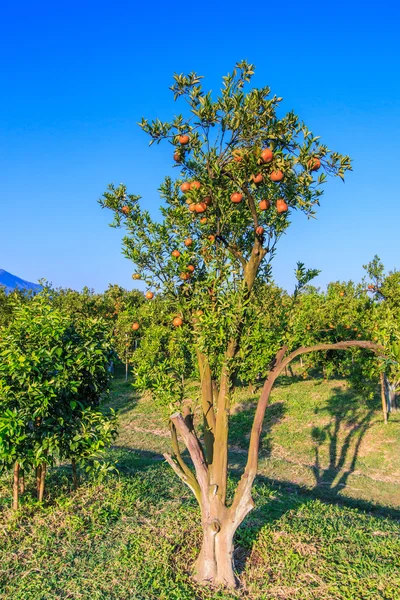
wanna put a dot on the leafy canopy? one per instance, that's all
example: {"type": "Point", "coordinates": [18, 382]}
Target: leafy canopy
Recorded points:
{"type": "Point", "coordinates": [217, 146]}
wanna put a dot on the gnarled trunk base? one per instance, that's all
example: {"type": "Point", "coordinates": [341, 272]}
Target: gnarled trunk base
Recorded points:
{"type": "Point", "coordinates": [214, 565]}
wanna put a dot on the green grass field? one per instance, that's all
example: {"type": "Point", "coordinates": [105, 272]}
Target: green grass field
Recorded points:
{"type": "Point", "coordinates": [326, 523]}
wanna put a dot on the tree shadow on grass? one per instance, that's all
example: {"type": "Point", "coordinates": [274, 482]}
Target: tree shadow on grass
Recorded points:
{"type": "Point", "coordinates": [340, 440]}
{"type": "Point", "coordinates": [342, 437]}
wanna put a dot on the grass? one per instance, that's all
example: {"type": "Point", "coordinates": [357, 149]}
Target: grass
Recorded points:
{"type": "Point", "coordinates": [136, 534]}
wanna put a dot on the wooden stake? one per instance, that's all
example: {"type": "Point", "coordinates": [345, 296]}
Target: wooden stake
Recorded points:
{"type": "Point", "coordinates": [383, 398]}
{"type": "Point", "coordinates": [42, 481]}
{"type": "Point", "coordinates": [38, 476]}
{"type": "Point", "coordinates": [16, 487]}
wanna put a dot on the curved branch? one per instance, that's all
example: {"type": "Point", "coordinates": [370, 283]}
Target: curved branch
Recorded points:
{"type": "Point", "coordinates": [242, 503]}
{"type": "Point", "coordinates": [376, 348]}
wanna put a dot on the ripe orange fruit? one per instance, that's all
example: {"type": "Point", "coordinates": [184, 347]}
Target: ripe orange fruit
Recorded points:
{"type": "Point", "coordinates": [200, 207]}
{"type": "Point", "coordinates": [258, 178]}
{"type": "Point", "coordinates": [207, 200]}
{"type": "Point", "coordinates": [185, 187]}
{"type": "Point", "coordinates": [237, 156]}
{"type": "Point", "coordinates": [314, 164]}
{"type": "Point", "coordinates": [175, 253]}
{"type": "Point", "coordinates": [331, 326]}
{"type": "Point", "coordinates": [211, 238]}
{"type": "Point", "coordinates": [259, 230]}
{"type": "Point", "coordinates": [281, 206]}
{"type": "Point", "coordinates": [236, 198]}
{"type": "Point", "coordinates": [184, 139]}
{"type": "Point", "coordinates": [342, 294]}
{"type": "Point", "coordinates": [177, 322]}
{"type": "Point", "coordinates": [135, 326]}
{"type": "Point", "coordinates": [264, 204]}
{"type": "Point", "coordinates": [188, 242]}
{"type": "Point", "coordinates": [177, 157]}
{"type": "Point", "coordinates": [136, 276]}
{"type": "Point", "coordinates": [184, 276]}
{"type": "Point", "coordinates": [203, 220]}
{"type": "Point", "coordinates": [125, 210]}
{"type": "Point", "coordinates": [371, 287]}
{"type": "Point", "coordinates": [267, 155]}
{"type": "Point", "coordinates": [276, 175]}
{"type": "Point", "coordinates": [192, 206]}
{"type": "Point", "coordinates": [190, 268]}
{"type": "Point", "coordinates": [149, 295]}
{"type": "Point", "coordinates": [195, 185]}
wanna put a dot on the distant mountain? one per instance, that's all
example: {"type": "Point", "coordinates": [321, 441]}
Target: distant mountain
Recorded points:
{"type": "Point", "coordinates": [12, 282]}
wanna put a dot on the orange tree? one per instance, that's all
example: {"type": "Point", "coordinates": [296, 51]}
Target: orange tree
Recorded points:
{"type": "Point", "coordinates": [53, 374]}
{"type": "Point", "coordinates": [383, 321]}
{"type": "Point", "coordinates": [335, 315]}
{"type": "Point", "coordinates": [9, 301]}
{"type": "Point", "coordinates": [243, 168]}
{"type": "Point", "coordinates": [366, 311]}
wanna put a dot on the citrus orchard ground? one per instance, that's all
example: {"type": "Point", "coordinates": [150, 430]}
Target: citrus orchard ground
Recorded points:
{"type": "Point", "coordinates": [136, 534]}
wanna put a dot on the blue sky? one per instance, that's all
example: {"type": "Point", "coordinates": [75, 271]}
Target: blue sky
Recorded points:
{"type": "Point", "coordinates": [76, 78]}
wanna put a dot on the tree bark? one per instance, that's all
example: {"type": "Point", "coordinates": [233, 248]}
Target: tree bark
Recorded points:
{"type": "Point", "coordinates": [215, 564]}
{"type": "Point", "coordinates": [207, 402]}
{"type": "Point", "coordinates": [38, 474]}
{"type": "Point", "coordinates": [15, 487]}
{"type": "Point", "coordinates": [42, 481]}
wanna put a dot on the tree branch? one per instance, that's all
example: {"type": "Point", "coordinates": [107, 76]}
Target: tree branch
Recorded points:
{"type": "Point", "coordinates": [195, 451]}
{"type": "Point", "coordinates": [233, 248]}
{"type": "Point", "coordinates": [252, 206]}
{"type": "Point", "coordinates": [183, 477]}
{"type": "Point", "coordinates": [376, 348]}
{"type": "Point", "coordinates": [185, 468]}
{"type": "Point", "coordinates": [207, 400]}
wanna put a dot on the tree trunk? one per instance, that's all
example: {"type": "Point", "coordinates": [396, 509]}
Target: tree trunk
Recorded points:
{"type": "Point", "coordinates": [214, 564]}
{"type": "Point", "coordinates": [42, 482]}
{"type": "Point", "coordinates": [38, 477]}
{"type": "Point", "coordinates": [15, 487]}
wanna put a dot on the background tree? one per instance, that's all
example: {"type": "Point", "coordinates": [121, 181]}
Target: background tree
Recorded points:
{"type": "Point", "coordinates": [243, 168]}
{"type": "Point", "coordinates": [53, 373]}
